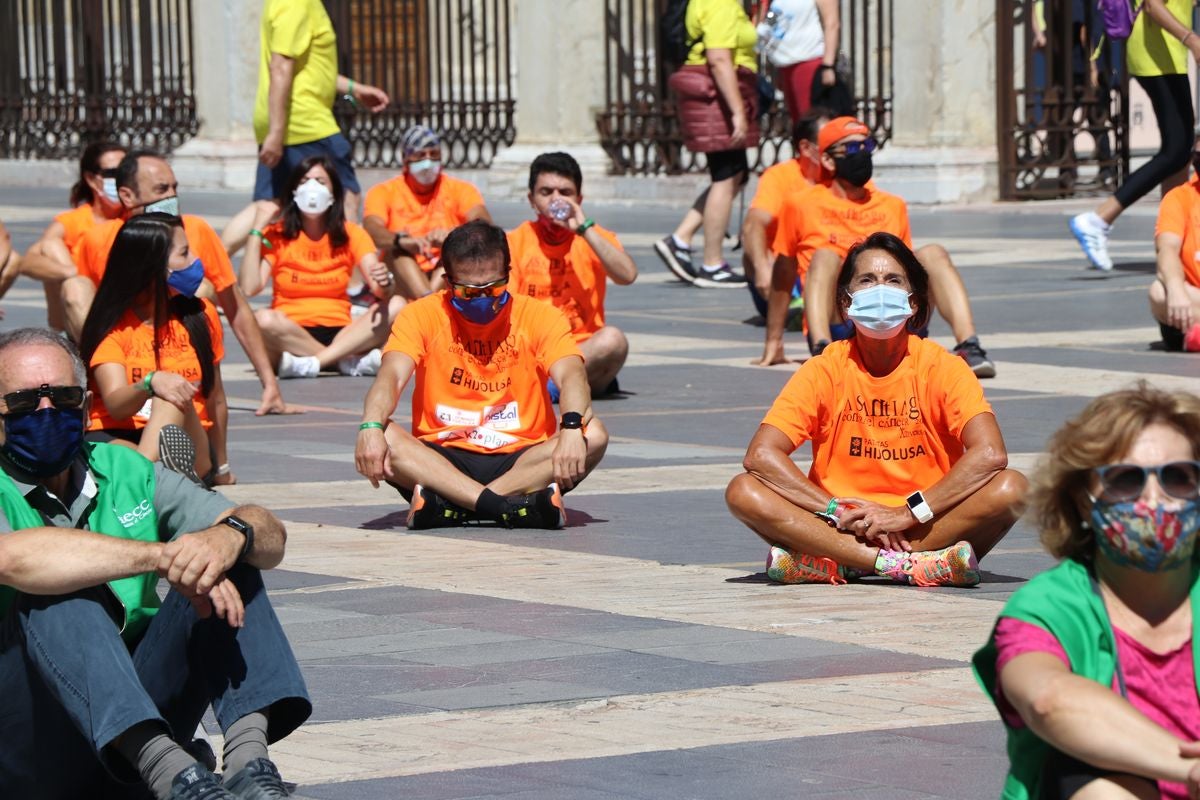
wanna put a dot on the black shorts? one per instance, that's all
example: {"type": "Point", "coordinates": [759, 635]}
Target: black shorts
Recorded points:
{"type": "Point", "coordinates": [725, 164]}
{"type": "Point", "coordinates": [105, 435]}
{"type": "Point", "coordinates": [324, 334]}
{"type": "Point", "coordinates": [1064, 775]}
{"type": "Point", "coordinates": [480, 467]}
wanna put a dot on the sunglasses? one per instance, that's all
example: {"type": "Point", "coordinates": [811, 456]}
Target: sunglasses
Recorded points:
{"type": "Point", "coordinates": [27, 400]}
{"type": "Point", "coordinates": [1123, 482]}
{"type": "Point", "coordinates": [111, 172]}
{"type": "Point", "coordinates": [867, 145]}
{"type": "Point", "coordinates": [469, 291]}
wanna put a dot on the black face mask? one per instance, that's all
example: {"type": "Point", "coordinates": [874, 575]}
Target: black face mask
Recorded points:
{"type": "Point", "coordinates": [854, 169]}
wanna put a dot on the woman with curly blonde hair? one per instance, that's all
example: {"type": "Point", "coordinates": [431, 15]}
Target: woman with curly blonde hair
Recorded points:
{"type": "Point", "coordinates": [1092, 664]}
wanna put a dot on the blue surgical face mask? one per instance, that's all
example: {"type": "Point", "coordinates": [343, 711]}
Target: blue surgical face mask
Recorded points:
{"type": "Point", "coordinates": [1145, 537]}
{"type": "Point", "coordinates": [187, 280]}
{"type": "Point", "coordinates": [880, 311]}
{"type": "Point", "coordinates": [480, 310]}
{"type": "Point", "coordinates": [425, 171]}
{"type": "Point", "coordinates": [43, 442]}
{"type": "Point", "coordinates": [110, 189]}
{"type": "Point", "coordinates": [167, 205]}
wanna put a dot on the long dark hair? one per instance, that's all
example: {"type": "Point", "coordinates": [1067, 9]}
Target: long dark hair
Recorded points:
{"type": "Point", "coordinates": [918, 278]}
{"type": "Point", "coordinates": [89, 164]}
{"type": "Point", "coordinates": [335, 217]}
{"type": "Point", "coordinates": [137, 264]}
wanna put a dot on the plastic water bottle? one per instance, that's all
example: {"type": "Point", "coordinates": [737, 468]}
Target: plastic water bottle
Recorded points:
{"type": "Point", "coordinates": [559, 209]}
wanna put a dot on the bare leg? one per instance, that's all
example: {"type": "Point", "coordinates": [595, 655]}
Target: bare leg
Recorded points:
{"type": "Point", "coordinates": [1110, 209]}
{"type": "Point", "coordinates": [534, 470]}
{"type": "Point", "coordinates": [367, 332]}
{"type": "Point", "coordinates": [411, 281]}
{"type": "Point", "coordinates": [1158, 301]}
{"type": "Point", "coordinates": [604, 354]}
{"type": "Point", "coordinates": [280, 333]}
{"type": "Point", "coordinates": [693, 219]}
{"type": "Point", "coordinates": [77, 295]}
{"type": "Point", "coordinates": [820, 290]}
{"type": "Point", "coordinates": [716, 216]}
{"type": "Point", "coordinates": [948, 292]}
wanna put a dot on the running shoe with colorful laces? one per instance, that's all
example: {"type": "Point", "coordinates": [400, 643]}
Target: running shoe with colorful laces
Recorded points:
{"type": "Point", "coordinates": [784, 566]}
{"type": "Point", "coordinates": [955, 565]}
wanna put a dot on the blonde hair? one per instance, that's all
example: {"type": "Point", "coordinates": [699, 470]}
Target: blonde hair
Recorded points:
{"type": "Point", "coordinates": [1102, 434]}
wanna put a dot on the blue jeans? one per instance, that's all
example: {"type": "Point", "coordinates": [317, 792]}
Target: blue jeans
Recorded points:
{"type": "Point", "coordinates": [270, 184]}
{"type": "Point", "coordinates": [71, 685]}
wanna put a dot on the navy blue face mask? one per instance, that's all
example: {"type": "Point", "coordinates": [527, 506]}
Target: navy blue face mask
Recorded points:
{"type": "Point", "coordinates": [43, 442]}
{"type": "Point", "coordinates": [480, 310]}
{"type": "Point", "coordinates": [187, 280]}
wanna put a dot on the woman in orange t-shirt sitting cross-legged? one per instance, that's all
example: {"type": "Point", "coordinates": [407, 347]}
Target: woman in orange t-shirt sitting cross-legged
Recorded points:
{"type": "Point", "coordinates": [909, 475]}
{"type": "Point", "coordinates": [309, 255]}
{"type": "Point", "coordinates": [154, 350]}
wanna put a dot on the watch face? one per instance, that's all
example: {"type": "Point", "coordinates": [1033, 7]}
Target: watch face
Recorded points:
{"type": "Point", "coordinates": [914, 500]}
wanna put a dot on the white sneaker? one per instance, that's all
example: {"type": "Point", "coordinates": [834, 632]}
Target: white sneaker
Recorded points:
{"type": "Point", "coordinates": [1092, 234]}
{"type": "Point", "coordinates": [369, 364]}
{"type": "Point", "coordinates": [291, 366]}
{"type": "Point", "coordinates": [347, 364]}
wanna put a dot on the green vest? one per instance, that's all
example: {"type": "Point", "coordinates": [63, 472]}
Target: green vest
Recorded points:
{"type": "Point", "coordinates": [123, 507]}
{"type": "Point", "coordinates": [1061, 601]}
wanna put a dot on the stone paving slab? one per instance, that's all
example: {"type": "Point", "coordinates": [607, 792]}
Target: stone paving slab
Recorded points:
{"type": "Point", "coordinates": [639, 653]}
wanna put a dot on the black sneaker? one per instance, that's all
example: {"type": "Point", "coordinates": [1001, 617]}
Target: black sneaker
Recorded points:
{"type": "Point", "coordinates": [677, 259]}
{"type": "Point", "coordinates": [976, 357]}
{"type": "Point", "coordinates": [542, 509]}
{"type": "Point", "coordinates": [258, 780]}
{"type": "Point", "coordinates": [1172, 338]}
{"type": "Point", "coordinates": [721, 278]}
{"type": "Point", "coordinates": [177, 453]}
{"type": "Point", "coordinates": [197, 783]}
{"type": "Point", "coordinates": [428, 509]}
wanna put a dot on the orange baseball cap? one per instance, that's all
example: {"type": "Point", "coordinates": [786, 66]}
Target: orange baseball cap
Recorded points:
{"type": "Point", "coordinates": [837, 129]}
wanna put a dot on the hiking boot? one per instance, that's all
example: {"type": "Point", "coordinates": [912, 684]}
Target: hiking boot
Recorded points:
{"type": "Point", "coordinates": [678, 259]}
{"type": "Point", "coordinates": [784, 566]}
{"type": "Point", "coordinates": [721, 278]}
{"type": "Point", "coordinates": [1092, 234]}
{"type": "Point", "coordinates": [542, 509]}
{"type": "Point", "coordinates": [291, 366]}
{"type": "Point", "coordinates": [197, 783]}
{"type": "Point", "coordinates": [177, 452]}
{"type": "Point", "coordinates": [258, 780]}
{"type": "Point", "coordinates": [428, 509]}
{"type": "Point", "coordinates": [955, 565]}
{"type": "Point", "coordinates": [976, 357]}
{"type": "Point", "coordinates": [1172, 338]}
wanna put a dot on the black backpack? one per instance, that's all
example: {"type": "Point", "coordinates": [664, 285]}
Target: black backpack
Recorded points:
{"type": "Point", "coordinates": [673, 40]}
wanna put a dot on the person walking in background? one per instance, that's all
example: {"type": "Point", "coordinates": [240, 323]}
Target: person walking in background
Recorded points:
{"type": "Point", "coordinates": [800, 37]}
{"type": "Point", "coordinates": [1156, 55]}
{"type": "Point", "coordinates": [716, 95]}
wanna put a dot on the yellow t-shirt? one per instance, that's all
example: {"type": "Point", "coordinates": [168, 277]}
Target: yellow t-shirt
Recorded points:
{"type": "Point", "coordinates": [1151, 51]}
{"type": "Point", "coordinates": [721, 25]}
{"type": "Point", "coordinates": [300, 30]}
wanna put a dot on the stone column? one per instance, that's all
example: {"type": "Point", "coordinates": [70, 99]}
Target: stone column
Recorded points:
{"type": "Point", "coordinates": [943, 148]}
{"type": "Point", "coordinates": [225, 42]}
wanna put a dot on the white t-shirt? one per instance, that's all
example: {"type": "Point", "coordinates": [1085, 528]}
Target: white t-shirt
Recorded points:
{"type": "Point", "coordinates": [792, 33]}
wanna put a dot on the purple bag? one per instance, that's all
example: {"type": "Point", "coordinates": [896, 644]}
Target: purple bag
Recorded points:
{"type": "Point", "coordinates": [1117, 17]}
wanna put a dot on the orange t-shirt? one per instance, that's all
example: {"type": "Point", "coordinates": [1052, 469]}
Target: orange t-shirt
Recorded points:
{"type": "Point", "coordinates": [775, 185]}
{"type": "Point", "coordinates": [880, 439]}
{"type": "Point", "coordinates": [569, 275]}
{"type": "Point", "coordinates": [310, 277]}
{"type": "Point", "coordinates": [76, 222]}
{"type": "Point", "coordinates": [1179, 213]}
{"type": "Point", "coordinates": [482, 387]}
{"type": "Point", "coordinates": [401, 209]}
{"type": "Point", "coordinates": [91, 251]}
{"type": "Point", "coordinates": [817, 219]}
{"type": "Point", "coordinates": [131, 343]}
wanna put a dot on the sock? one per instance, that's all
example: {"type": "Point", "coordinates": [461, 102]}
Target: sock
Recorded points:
{"type": "Point", "coordinates": [891, 564]}
{"type": "Point", "coordinates": [1099, 220]}
{"type": "Point", "coordinates": [490, 504]}
{"type": "Point", "coordinates": [157, 758]}
{"type": "Point", "coordinates": [680, 243]}
{"type": "Point", "coordinates": [713, 268]}
{"type": "Point", "coordinates": [245, 741]}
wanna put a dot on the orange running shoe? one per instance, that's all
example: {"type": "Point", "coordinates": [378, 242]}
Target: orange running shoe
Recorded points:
{"type": "Point", "coordinates": [784, 566]}
{"type": "Point", "coordinates": [955, 565]}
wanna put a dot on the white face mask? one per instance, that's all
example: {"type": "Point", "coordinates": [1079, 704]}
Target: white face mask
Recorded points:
{"type": "Point", "coordinates": [880, 311]}
{"type": "Point", "coordinates": [110, 189]}
{"type": "Point", "coordinates": [313, 197]}
{"type": "Point", "coordinates": [425, 171]}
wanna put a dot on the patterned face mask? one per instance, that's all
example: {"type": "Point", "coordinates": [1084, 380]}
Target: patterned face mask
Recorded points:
{"type": "Point", "coordinates": [1145, 537]}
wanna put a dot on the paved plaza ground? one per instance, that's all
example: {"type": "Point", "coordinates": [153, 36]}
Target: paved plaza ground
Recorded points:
{"type": "Point", "coordinates": [639, 653]}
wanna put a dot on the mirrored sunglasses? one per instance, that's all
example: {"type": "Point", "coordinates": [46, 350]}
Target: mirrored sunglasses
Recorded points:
{"type": "Point", "coordinates": [27, 400]}
{"type": "Point", "coordinates": [1123, 482]}
{"type": "Point", "coordinates": [867, 145]}
{"type": "Point", "coordinates": [469, 291]}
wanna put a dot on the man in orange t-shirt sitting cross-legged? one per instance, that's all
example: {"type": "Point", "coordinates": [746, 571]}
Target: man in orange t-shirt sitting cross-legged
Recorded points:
{"type": "Point", "coordinates": [484, 443]}
{"type": "Point", "coordinates": [1175, 294]}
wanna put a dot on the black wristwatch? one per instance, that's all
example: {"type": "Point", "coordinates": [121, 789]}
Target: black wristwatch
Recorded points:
{"type": "Point", "coordinates": [245, 529]}
{"type": "Point", "coordinates": [396, 246]}
{"type": "Point", "coordinates": [571, 421]}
